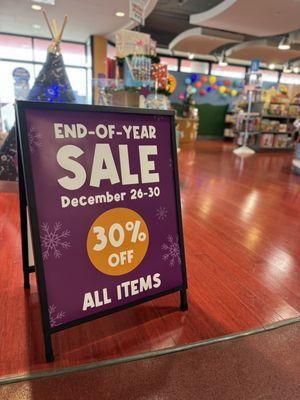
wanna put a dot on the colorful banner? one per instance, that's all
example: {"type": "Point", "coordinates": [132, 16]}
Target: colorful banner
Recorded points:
{"type": "Point", "coordinates": [107, 204]}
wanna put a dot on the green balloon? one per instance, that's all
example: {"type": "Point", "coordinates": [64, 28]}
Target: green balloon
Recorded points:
{"type": "Point", "coordinates": [224, 95]}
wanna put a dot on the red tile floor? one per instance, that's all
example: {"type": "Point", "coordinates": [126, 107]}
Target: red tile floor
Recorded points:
{"type": "Point", "coordinates": [242, 238]}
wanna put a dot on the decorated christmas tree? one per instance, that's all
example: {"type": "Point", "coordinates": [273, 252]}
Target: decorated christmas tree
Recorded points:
{"type": "Point", "coordinates": [51, 85]}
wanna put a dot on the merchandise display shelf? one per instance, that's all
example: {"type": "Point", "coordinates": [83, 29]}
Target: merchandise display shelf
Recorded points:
{"type": "Point", "coordinates": [278, 116]}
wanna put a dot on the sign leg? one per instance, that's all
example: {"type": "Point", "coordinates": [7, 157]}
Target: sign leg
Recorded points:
{"type": "Point", "coordinates": [183, 300]}
{"type": "Point", "coordinates": [23, 218]}
{"type": "Point", "coordinates": [48, 347]}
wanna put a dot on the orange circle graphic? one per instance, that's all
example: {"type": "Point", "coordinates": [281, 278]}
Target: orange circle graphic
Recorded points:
{"type": "Point", "coordinates": [117, 241]}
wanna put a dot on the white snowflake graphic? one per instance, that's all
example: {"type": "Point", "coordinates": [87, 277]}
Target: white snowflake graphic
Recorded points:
{"type": "Point", "coordinates": [161, 213]}
{"type": "Point", "coordinates": [55, 317]}
{"type": "Point", "coordinates": [171, 251]}
{"type": "Point", "coordinates": [53, 241]}
{"type": "Point", "coordinates": [34, 138]}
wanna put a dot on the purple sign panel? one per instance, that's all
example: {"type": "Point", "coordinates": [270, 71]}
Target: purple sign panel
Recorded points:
{"type": "Point", "coordinates": [106, 198]}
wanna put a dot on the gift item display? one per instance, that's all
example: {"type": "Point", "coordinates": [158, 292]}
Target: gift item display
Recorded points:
{"type": "Point", "coordinates": [51, 85]}
{"type": "Point", "coordinates": [272, 127]}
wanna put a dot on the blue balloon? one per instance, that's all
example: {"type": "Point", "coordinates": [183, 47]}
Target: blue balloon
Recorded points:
{"type": "Point", "coordinates": [194, 90]}
{"type": "Point", "coordinates": [208, 89]}
{"type": "Point", "coordinates": [194, 78]}
{"type": "Point", "coordinates": [241, 85]}
{"type": "Point", "coordinates": [188, 81]}
{"type": "Point", "coordinates": [219, 83]}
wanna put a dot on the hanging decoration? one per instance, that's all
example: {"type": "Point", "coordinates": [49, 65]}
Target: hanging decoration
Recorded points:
{"type": "Point", "coordinates": [224, 95]}
{"type": "Point", "coordinates": [188, 81]}
{"type": "Point", "coordinates": [208, 89]}
{"type": "Point", "coordinates": [202, 92]}
{"type": "Point", "coordinates": [227, 82]}
{"type": "Point", "coordinates": [219, 83]}
{"type": "Point", "coordinates": [212, 80]}
{"type": "Point", "coordinates": [234, 92]}
{"type": "Point", "coordinates": [222, 89]}
{"type": "Point", "coordinates": [204, 78]}
{"type": "Point", "coordinates": [181, 96]}
{"type": "Point", "coordinates": [198, 85]}
{"type": "Point", "coordinates": [214, 87]}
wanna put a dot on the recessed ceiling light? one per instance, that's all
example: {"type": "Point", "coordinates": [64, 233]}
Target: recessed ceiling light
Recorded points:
{"type": "Point", "coordinates": [191, 56]}
{"type": "Point", "coordinates": [36, 7]}
{"type": "Point", "coordinates": [296, 70]}
{"type": "Point", "coordinates": [223, 63]}
{"type": "Point", "coordinates": [36, 26]}
{"type": "Point", "coordinates": [120, 14]}
{"type": "Point", "coordinates": [271, 66]}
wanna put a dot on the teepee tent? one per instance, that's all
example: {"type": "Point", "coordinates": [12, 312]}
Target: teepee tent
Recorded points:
{"type": "Point", "coordinates": [51, 85]}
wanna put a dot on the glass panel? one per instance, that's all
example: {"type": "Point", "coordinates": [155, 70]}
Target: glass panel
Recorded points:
{"type": "Point", "coordinates": [40, 49]}
{"type": "Point", "coordinates": [111, 52]}
{"type": "Point", "coordinates": [172, 63]}
{"type": "Point", "coordinates": [194, 66]}
{"type": "Point", "coordinates": [291, 79]}
{"type": "Point", "coordinates": [229, 71]}
{"type": "Point", "coordinates": [73, 53]}
{"type": "Point", "coordinates": [269, 76]}
{"type": "Point", "coordinates": [15, 47]}
{"type": "Point", "coordinates": [77, 77]}
{"type": "Point", "coordinates": [8, 87]}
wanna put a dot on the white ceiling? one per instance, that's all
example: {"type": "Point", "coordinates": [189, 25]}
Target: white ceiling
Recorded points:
{"type": "Point", "coordinates": [266, 51]}
{"type": "Point", "coordinates": [255, 17]}
{"type": "Point", "coordinates": [86, 17]}
{"type": "Point", "coordinates": [202, 41]}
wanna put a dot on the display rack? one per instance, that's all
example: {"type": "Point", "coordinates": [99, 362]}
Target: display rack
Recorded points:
{"type": "Point", "coordinates": [229, 125]}
{"type": "Point", "coordinates": [273, 130]}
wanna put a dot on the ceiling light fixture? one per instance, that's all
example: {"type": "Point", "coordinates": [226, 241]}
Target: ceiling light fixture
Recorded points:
{"type": "Point", "coordinates": [284, 44]}
{"type": "Point", "coordinates": [120, 14]}
{"type": "Point", "coordinates": [271, 66]}
{"type": "Point", "coordinates": [36, 26]}
{"type": "Point", "coordinates": [191, 56]}
{"type": "Point", "coordinates": [36, 7]}
{"type": "Point", "coordinates": [296, 70]}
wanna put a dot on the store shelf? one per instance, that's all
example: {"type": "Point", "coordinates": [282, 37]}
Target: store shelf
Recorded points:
{"type": "Point", "coordinates": [276, 132]}
{"type": "Point", "coordinates": [278, 116]}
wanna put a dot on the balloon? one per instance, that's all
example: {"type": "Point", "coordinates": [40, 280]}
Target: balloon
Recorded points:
{"type": "Point", "coordinates": [202, 92]}
{"type": "Point", "coordinates": [188, 81]}
{"type": "Point", "coordinates": [219, 83]}
{"type": "Point", "coordinates": [194, 77]}
{"type": "Point", "coordinates": [241, 85]}
{"type": "Point", "coordinates": [236, 84]}
{"type": "Point", "coordinates": [181, 96]}
{"type": "Point", "coordinates": [189, 89]}
{"type": "Point", "coordinates": [204, 78]}
{"type": "Point", "coordinates": [222, 89]}
{"type": "Point", "coordinates": [198, 85]}
{"type": "Point", "coordinates": [194, 90]}
{"type": "Point", "coordinates": [227, 82]}
{"type": "Point", "coordinates": [227, 90]}
{"type": "Point", "coordinates": [212, 80]}
{"type": "Point", "coordinates": [214, 87]}
{"type": "Point", "coordinates": [234, 92]}
{"type": "Point", "coordinates": [224, 95]}
{"type": "Point", "coordinates": [208, 89]}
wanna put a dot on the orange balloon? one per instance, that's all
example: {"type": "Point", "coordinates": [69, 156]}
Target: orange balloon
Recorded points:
{"type": "Point", "coordinates": [204, 78]}
{"type": "Point", "coordinates": [198, 85]}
